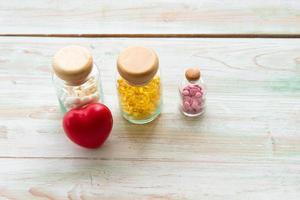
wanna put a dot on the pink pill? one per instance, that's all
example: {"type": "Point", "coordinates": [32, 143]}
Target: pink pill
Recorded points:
{"type": "Point", "coordinates": [186, 106]}
{"type": "Point", "coordinates": [198, 94]}
{"type": "Point", "coordinates": [193, 92]}
{"type": "Point", "coordinates": [195, 105]}
{"type": "Point", "coordinates": [187, 98]}
{"type": "Point", "coordinates": [200, 102]}
{"type": "Point", "coordinates": [185, 92]}
{"type": "Point", "coordinates": [186, 103]}
{"type": "Point", "coordinates": [200, 89]}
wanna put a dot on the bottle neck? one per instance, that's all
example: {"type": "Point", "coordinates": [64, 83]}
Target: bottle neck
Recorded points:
{"type": "Point", "coordinates": [198, 81]}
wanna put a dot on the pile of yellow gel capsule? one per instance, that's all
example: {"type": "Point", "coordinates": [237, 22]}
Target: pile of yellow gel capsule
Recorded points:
{"type": "Point", "coordinates": [139, 102]}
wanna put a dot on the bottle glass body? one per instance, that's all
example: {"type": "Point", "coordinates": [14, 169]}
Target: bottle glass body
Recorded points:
{"type": "Point", "coordinates": [72, 96]}
{"type": "Point", "coordinates": [139, 104]}
{"type": "Point", "coordinates": [192, 97]}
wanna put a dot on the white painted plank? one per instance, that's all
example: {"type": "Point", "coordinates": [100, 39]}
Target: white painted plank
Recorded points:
{"type": "Point", "coordinates": [57, 179]}
{"type": "Point", "coordinates": [149, 17]}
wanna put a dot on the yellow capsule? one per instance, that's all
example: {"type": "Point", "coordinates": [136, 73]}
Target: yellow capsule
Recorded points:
{"type": "Point", "coordinates": [139, 102]}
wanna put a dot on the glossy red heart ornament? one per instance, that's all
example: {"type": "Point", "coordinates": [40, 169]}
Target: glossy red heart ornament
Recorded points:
{"type": "Point", "coordinates": [88, 126]}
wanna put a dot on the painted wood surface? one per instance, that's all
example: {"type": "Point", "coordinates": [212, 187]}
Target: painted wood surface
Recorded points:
{"type": "Point", "coordinates": [246, 146]}
{"type": "Point", "coordinates": [149, 17]}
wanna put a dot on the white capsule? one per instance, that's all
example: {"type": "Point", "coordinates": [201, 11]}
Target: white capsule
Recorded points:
{"type": "Point", "coordinates": [72, 100]}
{"type": "Point", "coordinates": [86, 99]}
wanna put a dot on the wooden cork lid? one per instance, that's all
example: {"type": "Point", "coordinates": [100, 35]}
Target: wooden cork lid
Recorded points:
{"type": "Point", "coordinates": [73, 64]}
{"type": "Point", "coordinates": [192, 74]}
{"type": "Point", "coordinates": [137, 65]}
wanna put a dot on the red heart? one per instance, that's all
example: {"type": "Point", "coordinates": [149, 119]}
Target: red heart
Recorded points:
{"type": "Point", "coordinates": [88, 126]}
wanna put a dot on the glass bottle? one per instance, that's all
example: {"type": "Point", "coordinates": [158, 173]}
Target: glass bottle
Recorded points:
{"type": "Point", "coordinates": [139, 85]}
{"type": "Point", "coordinates": [192, 93]}
{"type": "Point", "coordinates": [75, 77]}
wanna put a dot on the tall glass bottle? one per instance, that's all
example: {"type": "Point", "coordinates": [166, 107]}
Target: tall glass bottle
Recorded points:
{"type": "Point", "coordinates": [75, 77]}
{"type": "Point", "coordinates": [139, 85]}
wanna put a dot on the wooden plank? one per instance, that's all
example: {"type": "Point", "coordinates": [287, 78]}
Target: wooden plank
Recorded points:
{"type": "Point", "coordinates": [246, 146]}
{"type": "Point", "coordinates": [90, 180]}
{"type": "Point", "coordinates": [192, 17]}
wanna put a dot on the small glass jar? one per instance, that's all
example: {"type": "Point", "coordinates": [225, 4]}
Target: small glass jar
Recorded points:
{"type": "Point", "coordinates": [139, 85]}
{"type": "Point", "coordinates": [76, 78]}
{"type": "Point", "coordinates": [192, 93]}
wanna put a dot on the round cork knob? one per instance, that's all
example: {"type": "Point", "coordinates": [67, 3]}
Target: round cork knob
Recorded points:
{"type": "Point", "coordinates": [73, 64]}
{"type": "Point", "coordinates": [192, 74]}
{"type": "Point", "coordinates": [137, 65]}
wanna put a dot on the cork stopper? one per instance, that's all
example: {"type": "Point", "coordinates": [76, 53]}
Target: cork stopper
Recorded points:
{"type": "Point", "coordinates": [137, 65]}
{"type": "Point", "coordinates": [192, 74]}
{"type": "Point", "coordinates": [73, 64]}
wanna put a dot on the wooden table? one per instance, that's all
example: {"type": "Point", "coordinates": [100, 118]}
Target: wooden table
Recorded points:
{"type": "Point", "coordinates": [246, 146]}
